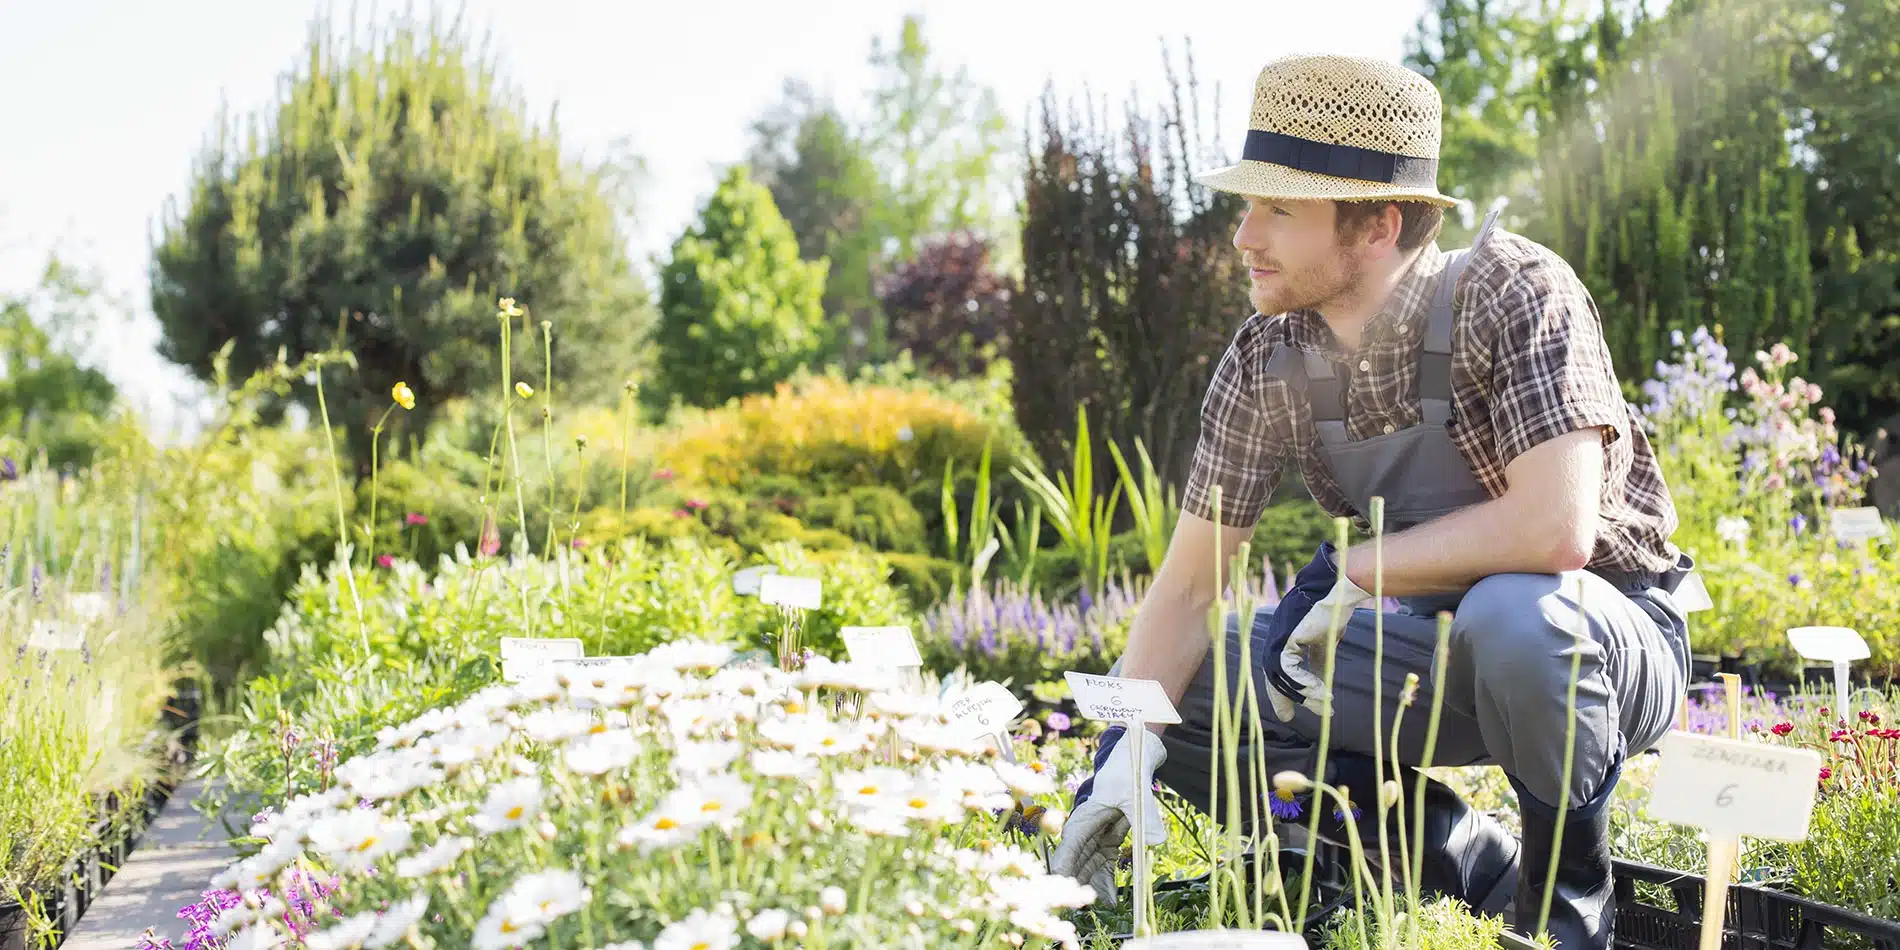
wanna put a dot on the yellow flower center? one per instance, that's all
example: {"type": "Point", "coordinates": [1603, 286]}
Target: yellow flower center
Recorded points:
{"type": "Point", "coordinates": [368, 843]}
{"type": "Point", "coordinates": [514, 814]}
{"type": "Point", "coordinates": [918, 803]}
{"type": "Point", "coordinates": [1038, 767]}
{"type": "Point", "coordinates": [508, 926]}
{"type": "Point", "coordinates": [665, 824]}
{"type": "Point", "coordinates": [701, 945]}
{"type": "Point", "coordinates": [712, 807]}
{"type": "Point", "coordinates": [597, 728]}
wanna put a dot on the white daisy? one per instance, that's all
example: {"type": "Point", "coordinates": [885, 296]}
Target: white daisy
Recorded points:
{"type": "Point", "coordinates": [937, 737]}
{"type": "Point", "coordinates": [777, 763]}
{"type": "Point", "coordinates": [921, 802]}
{"type": "Point", "coordinates": [880, 822]}
{"type": "Point", "coordinates": [350, 933]}
{"type": "Point", "coordinates": [396, 921]}
{"type": "Point", "coordinates": [718, 800]}
{"type": "Point", "coordinates": [433, 858]}
{"type": "Point", "coordinates": [602, 753]}
{"type": "Point", "coordinates": [1045, 925]}
{"type": "Point", "coordinates": [700, 758]}
{"type": "Point", "coordinates": [867, 786]}
{"type": "Point", "coordinates": [684, 655]}
{"type": "Point", "coordinates": [699, 931]}
{"type": "Point", "coordinates": [263, 936]}
{"type": "Point", "coordinates": [831, 900]}
{"type": "Point", "coordinates": [509, 805]}
{"type": "Point", "coordinates": [1026, 782]}
{"type": "Point", "coordinates": [523, 912]}
{"type": "Point", "coordinates": [354, 840]}
{"type": "Point", "coordinates": [657, 831]}
{"type": "Point", "coordinates": [768, 925]}
{"type": "Point", "coordinates": [555, 725]}
{"type": "Point", "coordinates": [823, 673]}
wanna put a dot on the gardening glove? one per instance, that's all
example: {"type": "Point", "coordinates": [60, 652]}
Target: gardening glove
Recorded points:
{"type": "Point", "coordinates": [1104, 811]}
{"type": "Point", "coordinates": [1302, 627]}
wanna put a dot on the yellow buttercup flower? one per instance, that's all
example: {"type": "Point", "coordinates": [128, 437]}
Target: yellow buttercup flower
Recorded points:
{"type": "Point", "coordinates": [404, 396]}
{"type": "Point", "coordinates": [508, 308]}
{"type": "Point", "coordinates": [524, 390]}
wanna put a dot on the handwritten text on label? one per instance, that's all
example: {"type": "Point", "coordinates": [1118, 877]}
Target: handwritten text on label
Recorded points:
{"type": "Point", "coordinates": [988, 708]}
{"type": "Point", "coordinates": [1115, 699]}
{"type": "Point", "coordinates": [1731, 787]}
{"type": "Point", "coordinates": [522, 655]}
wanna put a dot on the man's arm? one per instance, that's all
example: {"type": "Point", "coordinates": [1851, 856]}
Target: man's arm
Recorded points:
{"type": "Point", "coordinates": [1168, 637]}
{"type": "Point", "coordinates": [1544, 523]}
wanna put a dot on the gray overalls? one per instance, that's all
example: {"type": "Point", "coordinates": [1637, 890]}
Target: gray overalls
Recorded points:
{"type": "Point", "coordinates": [1511, 636]}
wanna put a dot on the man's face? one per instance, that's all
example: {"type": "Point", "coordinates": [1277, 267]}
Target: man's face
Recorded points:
{"type": "Point", "coordinates": [1294, 258]}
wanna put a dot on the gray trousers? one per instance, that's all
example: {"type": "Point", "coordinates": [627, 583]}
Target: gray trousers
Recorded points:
{"type": "Point", "coordinates": [1513, 638]}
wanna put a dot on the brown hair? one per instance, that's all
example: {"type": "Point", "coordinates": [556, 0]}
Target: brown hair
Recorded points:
{"type": "Point", "coordinates": [1420, 221]}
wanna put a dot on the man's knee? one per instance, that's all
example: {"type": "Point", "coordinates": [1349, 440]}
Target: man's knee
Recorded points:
{"type": "Point", "coordinates": [1518, 625]}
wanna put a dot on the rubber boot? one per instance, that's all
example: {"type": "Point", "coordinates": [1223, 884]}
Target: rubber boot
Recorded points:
{"type": "Point", "coordinates": [1583, 896]}
{"type": "Point", "coordinates": [1466, 853]}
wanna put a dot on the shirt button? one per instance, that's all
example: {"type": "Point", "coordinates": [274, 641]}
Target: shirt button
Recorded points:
{"type": "Point", "coordinates": [1365, 365]}
{"type": "Point", "coordinates": [1404, 329]}
{"type": "Point", "coordinates": [1390, 428]}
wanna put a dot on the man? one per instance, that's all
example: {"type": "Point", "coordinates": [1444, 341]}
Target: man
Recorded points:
{"type": "Point", "coordinates": [1474, 394]}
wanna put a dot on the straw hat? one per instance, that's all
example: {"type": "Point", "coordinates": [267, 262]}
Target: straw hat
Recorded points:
{"type": "Point", "coordinates": [1342, 127]}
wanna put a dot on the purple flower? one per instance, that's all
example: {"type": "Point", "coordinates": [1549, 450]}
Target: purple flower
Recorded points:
{"type": "Point", "coordinates": [1059, 722]}
{"type": "Point", "coordinates": [1794, 579]}
{"type": "Point", "coordinates": [1284, 805]}
{"type": "Point", "coordinates": [8, 471]}
{"type": "Point", "coordinates": [1799, 523]}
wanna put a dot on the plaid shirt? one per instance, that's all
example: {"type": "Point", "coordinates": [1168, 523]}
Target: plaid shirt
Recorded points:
{"type": "Point", "coordinates": [1528, 363]}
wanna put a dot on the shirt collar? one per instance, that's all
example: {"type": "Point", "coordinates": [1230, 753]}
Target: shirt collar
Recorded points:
{"type": "Point", "coordinates": [1408, 306]}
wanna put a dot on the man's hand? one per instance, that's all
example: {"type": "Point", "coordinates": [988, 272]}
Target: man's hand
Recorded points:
{"type": "Point", "coordinates": [1105, 810]}
{"type": "Point", "coordinates": [1303, 626]}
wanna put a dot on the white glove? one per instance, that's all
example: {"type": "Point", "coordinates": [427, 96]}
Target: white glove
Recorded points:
{"type": "Point", "coordinates": [1092, 837]}
{"type": "Point", "coordinates": [1312, 638]}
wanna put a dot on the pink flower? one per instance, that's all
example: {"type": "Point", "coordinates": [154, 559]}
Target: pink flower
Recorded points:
{"type": "Point", "coordinates": [695, 504]}
{"type": "Point", "coordinates": [1826, 773]}
{"type": "Point", "coordinates": [384, 560]}
{"type": "Point", "coordinates": [682, 513]}
{"type": "Point", "coordinates": [1814, 393]}
{"type": "Point", "coordinates": [1840, 735]}
{"type": "Point", "coordinates": [577, 543]}
{"type": "Point", "coordinates": [415, 519]}
{"type": "Point", "coordinates": [1783, 728]}
{"type": "Point", "coordinates": [665, 474]}
{"type": "Point", "coordinates": [1827, 415]}
{"type": "Point", "coordinates": [1780, 354]}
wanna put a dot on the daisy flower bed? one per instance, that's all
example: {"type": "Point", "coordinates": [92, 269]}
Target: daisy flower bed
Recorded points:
{"type": "Point", "coordinates": [669, 800]}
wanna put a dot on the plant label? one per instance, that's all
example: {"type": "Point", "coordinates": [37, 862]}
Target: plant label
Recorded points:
{"type": "Point", "coordinates": [1828, 644]}
{"type": "Point", "coordinates": [521, 656]}
{"type": "Point", "coordinates": [56, 637]}
{"type": "Point", "coordinates": [986, 709]}
{"type": "Point", "coordinates": [1115, 699]}
{"type": "Point", "coordinates": [1692, 595]}
{"type": "Point", "coordinates": [1218, 940]}
{"type": "Point", "coordinates": [747, 580]}
{"type": "Point", "coordinates": [881, 646]}
{"type": "Point", "coordinates": [596, 665]}
{"type": "Point", "coordinates": [1733, 787]}
{"type": "Point", "coordinates": [787, 591]}
{"type": "Point", "coordinates": [1856, 524]}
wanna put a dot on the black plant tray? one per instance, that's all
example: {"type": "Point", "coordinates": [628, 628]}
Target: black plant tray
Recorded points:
{"type": "Point", "coordinates": [1757, 918]}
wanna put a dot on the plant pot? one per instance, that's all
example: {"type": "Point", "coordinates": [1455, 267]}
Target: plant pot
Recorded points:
{"type": "Point", "coordinates": [1756, 917]}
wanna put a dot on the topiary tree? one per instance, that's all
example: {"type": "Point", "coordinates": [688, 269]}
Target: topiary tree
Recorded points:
{"type": "Point", "coordinates": [739, 311]}
{"type": "Point", "coordinates": [381, 205]}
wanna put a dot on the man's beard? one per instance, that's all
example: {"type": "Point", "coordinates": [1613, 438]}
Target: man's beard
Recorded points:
{"type": "Point", "coordinates": [1311, 288]}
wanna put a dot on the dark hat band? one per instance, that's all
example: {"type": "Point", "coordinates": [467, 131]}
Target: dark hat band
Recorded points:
{"type": "Point", "coordinates": [1340, 161]}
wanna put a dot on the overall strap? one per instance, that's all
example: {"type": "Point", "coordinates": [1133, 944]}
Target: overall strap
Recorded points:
{"type": "Point", "coordinates": [1326, 396]}
{"type": "Point", "coordinates": [1434, 359]}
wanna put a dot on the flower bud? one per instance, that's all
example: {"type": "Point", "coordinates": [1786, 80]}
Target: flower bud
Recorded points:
{"type": "Point", "coordinates": [1292, 783]}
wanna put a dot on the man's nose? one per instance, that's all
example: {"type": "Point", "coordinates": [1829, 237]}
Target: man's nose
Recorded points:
{"type": "Point", "coordinates": [1248, 236]}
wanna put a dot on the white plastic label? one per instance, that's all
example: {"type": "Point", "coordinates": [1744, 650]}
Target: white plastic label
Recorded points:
{"type": "Point", "coordinates": [60, 637]}
{"type": "Point", "coordinates": [596, 665]}
{"type": "Point", "coordinates": [1856, 524]}
{"type": "Point", "coordinates": [986, 709]}
{"type": "Point", "coordinates": [1828, 644]}
{"type": "Point", "coordinates": [1115, 699]}
{"type": "Point", "coordinates": [521, 656]}
{"type": "Point", "coordinates": [1218, 940]}
{"type": "Point", "coordinates": [1732, 787]}
{"type": "Point", "coordinates": [747, 580]}
{"type": "Point", "coordinates": [1692, 595]}
{"type": "Point", "coordinates": [787, 591]}
{"type": "Point", "coordinates": [881, 646]}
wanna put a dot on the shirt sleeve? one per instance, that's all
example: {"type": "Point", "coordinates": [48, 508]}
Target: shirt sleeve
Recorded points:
{"type": "Point", "coordinates": [1551, 372]}
{"type": "Point", "coordinates": [1237, 451]}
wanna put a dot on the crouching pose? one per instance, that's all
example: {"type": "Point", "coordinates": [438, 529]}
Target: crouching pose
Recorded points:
{"type": "Point", "coordinates": [1473, 392]}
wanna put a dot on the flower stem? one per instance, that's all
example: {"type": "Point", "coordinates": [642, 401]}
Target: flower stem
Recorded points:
{"type": "Point", "coordinates": [342, 524]}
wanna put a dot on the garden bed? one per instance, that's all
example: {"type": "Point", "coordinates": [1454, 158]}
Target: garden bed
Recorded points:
{"type": "Point", "coordinates": [83, 878]}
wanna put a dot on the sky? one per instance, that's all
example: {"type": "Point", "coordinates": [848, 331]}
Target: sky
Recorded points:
{"type": "Point", "coordinates": [104, 103]}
